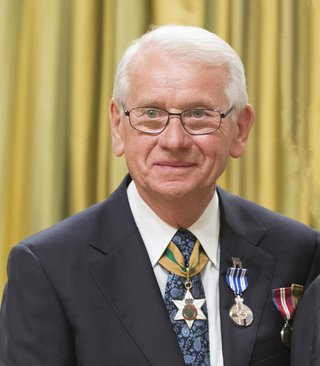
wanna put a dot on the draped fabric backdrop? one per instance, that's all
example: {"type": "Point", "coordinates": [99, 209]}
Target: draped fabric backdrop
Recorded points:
{"type": "Point", "coordinates": [57, 61]}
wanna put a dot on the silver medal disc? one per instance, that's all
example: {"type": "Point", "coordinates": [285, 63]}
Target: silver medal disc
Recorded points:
{"type": "Point", "coordinates": [286, 334]}
{"type": "Point", "coordinates": [241, 314]}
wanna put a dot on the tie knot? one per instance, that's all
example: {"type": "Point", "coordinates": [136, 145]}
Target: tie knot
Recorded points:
{"type": "Point", "coordinates": [185, 241]}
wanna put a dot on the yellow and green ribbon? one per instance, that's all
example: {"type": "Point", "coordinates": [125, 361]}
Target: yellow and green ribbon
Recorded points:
{"type": "Point", "coordinates": [297, 291]}
{"type": "Point", "coordinates": [174, 261]}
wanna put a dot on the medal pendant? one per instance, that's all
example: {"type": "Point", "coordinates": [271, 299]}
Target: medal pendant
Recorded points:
{"type": "Point", "coordinates": [189, 309]}
{"type": "Point", "coordinates": [286, 334]}
{"type": "Point", "coordinates": [241, 314]}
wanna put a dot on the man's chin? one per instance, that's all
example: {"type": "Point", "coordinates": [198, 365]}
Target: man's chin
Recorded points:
{"type": "Point", "coordinates": [173, 190]}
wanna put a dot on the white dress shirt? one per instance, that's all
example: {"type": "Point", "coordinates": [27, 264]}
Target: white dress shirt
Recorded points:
{"type": "Point", "coordinates": [157, 234]}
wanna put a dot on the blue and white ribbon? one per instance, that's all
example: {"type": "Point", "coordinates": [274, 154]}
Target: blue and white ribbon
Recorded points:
{"type": "Point", "coordinates": [237, 279]}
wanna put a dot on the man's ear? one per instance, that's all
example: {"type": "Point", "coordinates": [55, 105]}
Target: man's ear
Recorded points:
{"type": "Point", "coordinates": [116, 128]}
{"type": "Point", "coordinates": [244, 124]}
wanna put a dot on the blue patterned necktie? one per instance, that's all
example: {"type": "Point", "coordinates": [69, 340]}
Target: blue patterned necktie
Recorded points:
{"type": "Point", "coordinates": [194, 341]}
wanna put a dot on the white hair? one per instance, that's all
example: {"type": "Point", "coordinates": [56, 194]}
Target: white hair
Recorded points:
{"type": "Point", "coordinates": [192, 44]}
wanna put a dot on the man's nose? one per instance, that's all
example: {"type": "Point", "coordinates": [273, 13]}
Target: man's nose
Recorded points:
{"type": "Point", "coordinates": [175, 136]}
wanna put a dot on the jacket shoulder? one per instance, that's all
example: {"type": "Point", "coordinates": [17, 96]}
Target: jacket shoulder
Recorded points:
{"type": "Point", "coordinates": [87, 226]}
{"type": "Point", "coordinates": [237, 208]}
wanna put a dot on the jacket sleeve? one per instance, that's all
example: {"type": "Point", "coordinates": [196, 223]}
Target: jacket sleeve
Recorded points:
{"type": "Point", "coordinates": [315, 266]}
{"type": "Point", "coordinates": [33, 326]}
{"type": "Point", "coordinates": [305, 343]}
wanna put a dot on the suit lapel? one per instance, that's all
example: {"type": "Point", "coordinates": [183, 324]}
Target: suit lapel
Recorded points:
{"type": "Point", "coordinates": [240, 233]}
{"type": "Point", "coordinates": [126, 279]}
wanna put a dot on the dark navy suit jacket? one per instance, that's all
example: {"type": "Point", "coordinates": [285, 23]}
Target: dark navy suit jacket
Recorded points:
{"type": "Point", "coordinates": [306, 329]}
{"type": "Point", "coordinates": [84, 293]}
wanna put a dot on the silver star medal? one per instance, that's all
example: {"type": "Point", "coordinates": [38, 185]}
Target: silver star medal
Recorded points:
{"type": "Point", "coordinates": [189, 309]}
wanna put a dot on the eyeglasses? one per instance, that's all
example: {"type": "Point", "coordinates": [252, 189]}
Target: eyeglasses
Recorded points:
{"type": "Point", "coordinates": [195, 121]}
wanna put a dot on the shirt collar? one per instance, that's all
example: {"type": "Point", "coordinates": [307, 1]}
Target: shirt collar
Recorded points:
{"type": "Point", "coordinates": [157, 234]}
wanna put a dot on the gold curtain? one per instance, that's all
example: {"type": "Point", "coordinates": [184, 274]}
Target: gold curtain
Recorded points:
{"type": "Point", "coordinates": [57, 61]}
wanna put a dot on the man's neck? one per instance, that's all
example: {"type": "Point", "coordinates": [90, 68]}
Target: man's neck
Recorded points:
{"type": "Point", "coordinates": [179, 212]}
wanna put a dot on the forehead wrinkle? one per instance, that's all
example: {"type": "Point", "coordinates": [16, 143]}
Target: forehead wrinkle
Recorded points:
{"type": "Point", "coordinates": [149, 88]}
{"type": "Point", "coordinates": [183, 105]}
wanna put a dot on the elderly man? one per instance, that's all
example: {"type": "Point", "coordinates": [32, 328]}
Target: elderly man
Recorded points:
{"type": "Point", "coordinates": [171, 269]}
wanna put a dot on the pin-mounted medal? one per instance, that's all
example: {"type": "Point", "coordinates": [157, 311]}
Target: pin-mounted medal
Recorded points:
{"type": "Point", "coordinates": [237, 280]}
{"type": "Point", "coordinates": [286, 299]}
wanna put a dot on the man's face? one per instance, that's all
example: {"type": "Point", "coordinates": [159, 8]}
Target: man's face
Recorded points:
{"type": "Point", "coordinates": [175, 164]}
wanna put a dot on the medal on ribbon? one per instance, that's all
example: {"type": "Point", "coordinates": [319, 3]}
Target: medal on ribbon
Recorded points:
{"type": "Point", "coordinates": [237, 280]}
{"type": "Point", "coordinates": [189, 309]}
{"type": "Point", "coordinates": [286, 299]}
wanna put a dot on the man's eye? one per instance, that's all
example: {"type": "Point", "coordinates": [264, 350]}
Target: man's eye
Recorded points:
{"type": "Point", "coordinates": [152, 113]}
{"type": "Point", "coordinates": [197, 113]}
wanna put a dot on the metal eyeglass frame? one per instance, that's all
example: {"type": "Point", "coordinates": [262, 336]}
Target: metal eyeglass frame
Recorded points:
{"type": "Point", "coordinates": [222, 116]}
